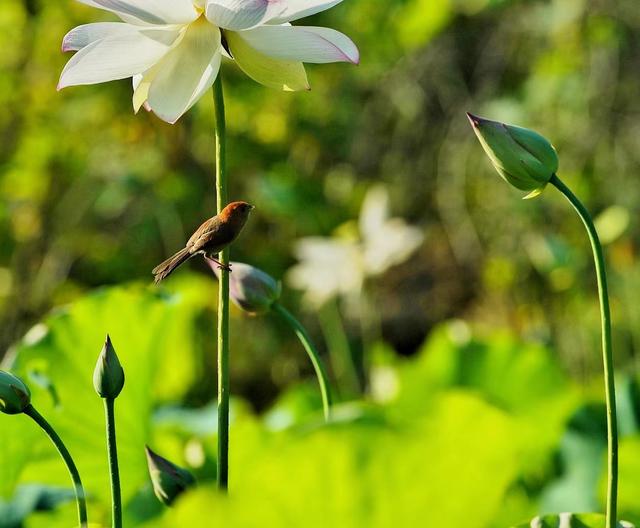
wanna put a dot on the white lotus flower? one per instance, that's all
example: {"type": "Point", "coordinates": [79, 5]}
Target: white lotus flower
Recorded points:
{"type": "Point", "coordinates": [338, 266]}
{"type": "Point", "coordinates": [172, 49]}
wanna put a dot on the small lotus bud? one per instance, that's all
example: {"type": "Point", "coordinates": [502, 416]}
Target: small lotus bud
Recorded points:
{"type": "Point", "coordinates": [108, 377]}
{"type": "Point", "coordinates": [524, 158]}
{"type": "Point", "coordinates": [169, 481]}
{"type": "Point", "coordinates": [250, 288]}
{"type": "Point", "coordinates": [15, 396]}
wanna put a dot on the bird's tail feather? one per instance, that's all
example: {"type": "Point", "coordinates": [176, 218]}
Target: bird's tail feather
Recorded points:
{"type": "Point", "coordinates": [165, 269]}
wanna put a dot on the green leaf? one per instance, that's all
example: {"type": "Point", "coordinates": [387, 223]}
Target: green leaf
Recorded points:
{"type": "Point", "coordinates": [367, 473]}
{"type": "Point", "coordinates": [153, 334]}
{"type": "Point", "coordinates": [513, 375]}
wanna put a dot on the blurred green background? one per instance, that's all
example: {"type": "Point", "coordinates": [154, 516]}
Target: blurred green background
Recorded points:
{"type": "Point", "coordinates": [379, 211]}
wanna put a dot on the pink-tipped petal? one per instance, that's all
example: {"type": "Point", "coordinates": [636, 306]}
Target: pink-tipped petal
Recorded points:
{"type": "Point", "coordinates": [86, 34]}
{"type": "Point", "coordinates": [302, 43]}
{"type": "Point", "coordinates": [117, 57]}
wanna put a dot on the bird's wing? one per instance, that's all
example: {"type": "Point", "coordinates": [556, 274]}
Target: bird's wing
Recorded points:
{"type": "Point", "coordinates": [203, 234]}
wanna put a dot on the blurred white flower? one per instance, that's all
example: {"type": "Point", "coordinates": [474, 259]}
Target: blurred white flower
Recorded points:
{"type": "Point", "coordinates": [386, 241]}
{"type": "Point", "coordinates": [338, 266]}
{"type": "Point", "coordinates": [329, 267]}
{"type": "Point", "coordinates": [172, 48]}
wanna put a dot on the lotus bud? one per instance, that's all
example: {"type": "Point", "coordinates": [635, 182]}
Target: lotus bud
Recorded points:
{"type": "Point", "coordinates": [169, 481]}
{"type": "Point", "coordinates": [524, 158]}
{"type": "Point", "coordinates": [108, 377]}
{"type": "Point", "coordinates": [250, 288]}
{"type": "Point", "coordinates": [15, 396]}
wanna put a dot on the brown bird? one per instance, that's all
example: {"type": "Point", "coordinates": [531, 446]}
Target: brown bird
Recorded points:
{"type": "Point", "coordinates": [209, 239]}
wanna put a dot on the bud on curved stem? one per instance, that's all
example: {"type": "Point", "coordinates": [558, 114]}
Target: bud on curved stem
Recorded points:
{"type": "Point", "coordinates": [524, 158]}
{"type": "Point", "coordinates": [528, 161]}
{"type": "Point", "coordinates": [256, 292]}
{"type": "Point", "coordinates": [169, 480]}
{"type": "Point", "coordinates": [15, 398]}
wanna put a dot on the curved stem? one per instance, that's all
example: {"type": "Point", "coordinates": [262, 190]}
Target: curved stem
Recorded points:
{"type": "Point", "coordinates": [66, 456]}
{"type": "Point", "coordinates": [223, 295]}
{"type": "Point", "coordinates": [112, 450]}
{"type": "Point", "coordinates": [345, 371]}
{"type": "Point", "coordinates": [607, 353]}
{"type": "Point", "coordinates": [321, 373]}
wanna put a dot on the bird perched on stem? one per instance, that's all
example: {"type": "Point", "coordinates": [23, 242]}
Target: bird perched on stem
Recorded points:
{"type": "Point", "coordinates": [209, 239]}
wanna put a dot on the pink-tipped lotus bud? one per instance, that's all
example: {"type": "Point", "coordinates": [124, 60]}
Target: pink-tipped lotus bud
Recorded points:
{"type": "Point", "coordinates": [250, 288]}
{"type": "Point", "coordinates": [169, 481]}
{"type": "Point", "coordinates": [524, 158]}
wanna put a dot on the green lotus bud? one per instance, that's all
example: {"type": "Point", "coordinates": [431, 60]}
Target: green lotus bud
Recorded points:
{"type": "Point", "coordinates": [524, 158]}
{"type": "Point", "coordinates": [250, 288]}
{"type": "Point", "coordinates": [15, 396]}
{"type": "Point", "coordinates": [169, 481]}
{"type": "Point", "coordinates": [108, 377]}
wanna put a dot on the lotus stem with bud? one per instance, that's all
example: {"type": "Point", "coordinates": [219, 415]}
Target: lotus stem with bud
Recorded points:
{"type": "Point", "coordinates": [15, 398]}
{"type": "Point", "coordinates": [256, 292]}
{"type": "Point", "coordinates": [529, 162]}
{"type": "Point", "coordinates": [108, 381]}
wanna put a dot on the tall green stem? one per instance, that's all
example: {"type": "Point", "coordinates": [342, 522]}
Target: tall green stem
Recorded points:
{"type": "Point", "coordinates": [66, 456]}
{"type": "Point", "coordinates": [607, 353]}
{"type": "Point", "coordinates": [321, 373]}
{"type": "Point", "coordinates": [223, 295]}
{"type": "Point", "coordinates": [112, 450]}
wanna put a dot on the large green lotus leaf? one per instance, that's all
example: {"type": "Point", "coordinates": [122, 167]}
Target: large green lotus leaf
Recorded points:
{"type": "Point", "coordinates": [525, 380]}
{"type": "Point", "coordinates": [570, 520]}
{"type": "Point", "coordinates": [511, 374]}
{"type": "Point", "coordinates": [152, 332]}
{"type": "Point", "coordinates": [450, 467]}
